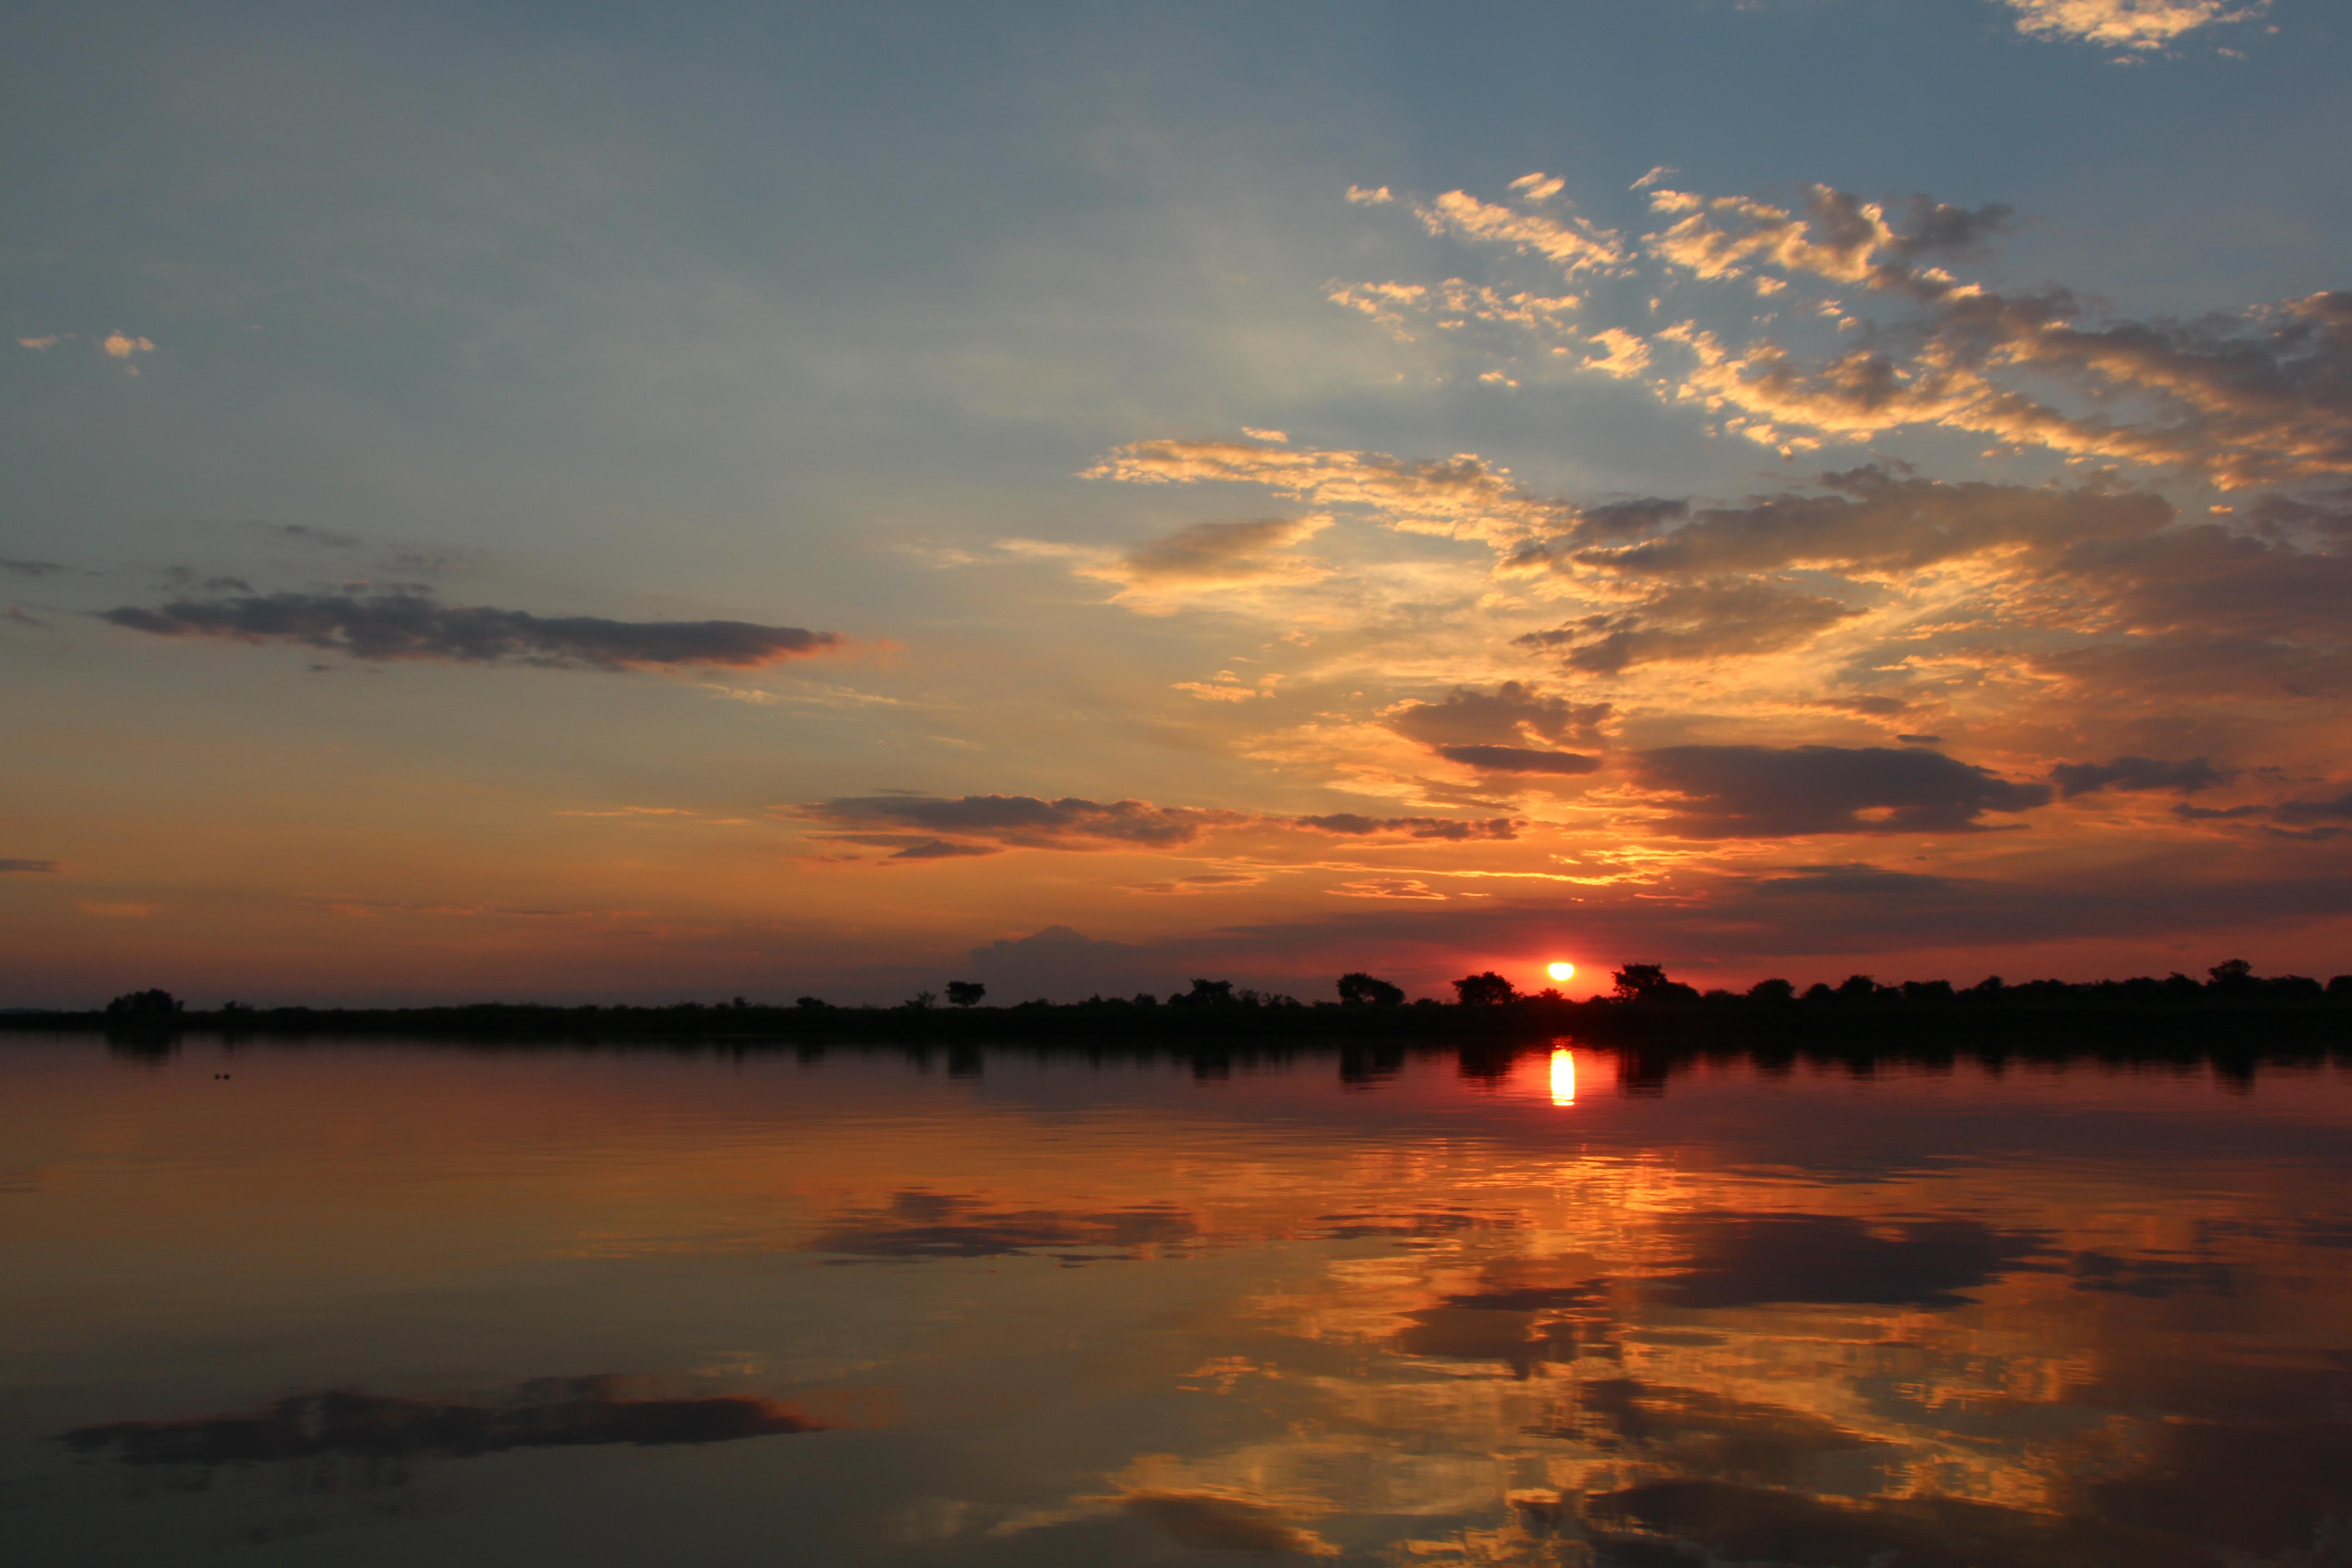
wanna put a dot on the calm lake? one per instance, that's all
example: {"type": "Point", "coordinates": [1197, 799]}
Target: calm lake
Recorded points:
{"type": "Point", "coordinates": [364, 1303]}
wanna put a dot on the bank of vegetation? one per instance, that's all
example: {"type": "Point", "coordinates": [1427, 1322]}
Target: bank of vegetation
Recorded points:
{"type": "Point", "coordinates": [2232, 1009]}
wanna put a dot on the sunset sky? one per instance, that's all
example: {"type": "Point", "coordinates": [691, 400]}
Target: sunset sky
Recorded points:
{"type": "Point", "coordinates": [596, 503]}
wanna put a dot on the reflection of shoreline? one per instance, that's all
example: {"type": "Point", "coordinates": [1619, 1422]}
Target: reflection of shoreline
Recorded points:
{"type": "Point", "coordinates": [2235, 1044]}
{"type": "Point", "coordinates": [547, 1413]}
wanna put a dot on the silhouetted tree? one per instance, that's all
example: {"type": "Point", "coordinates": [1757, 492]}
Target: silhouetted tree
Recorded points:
{"type": "Point", "coordinates": [1771, 991]}
{"type": "Point", "coordinates": [2340, 986]}
{"type": "Point", "coordinates": [1927, 990]}
{"type": "Point", "coordinates": [1205, 994]}
{"type": "Point", "coordinates": [155, 1004]}
{"type": "Point", "coordinates": [808, 1003]}
{"type": "Point", "coordinates": [1648, 982]}
{"type": "Point", "coordinates": [922, 1001]}
{"type": "Point", "coordinates": [1358, 989]}
{"type": "Point", "coordinates": [1486, 990]}
{"type": "Point", "coordinates": [1858, 988]}
{"type": "Point", "coordinates": [2233, 976]}
{"type": "Point", "coordinates": [965, 993]}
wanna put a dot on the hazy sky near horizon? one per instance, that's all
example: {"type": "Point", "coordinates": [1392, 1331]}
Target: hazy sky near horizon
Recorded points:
{"type": "Point", "coordinates": [623, 502]}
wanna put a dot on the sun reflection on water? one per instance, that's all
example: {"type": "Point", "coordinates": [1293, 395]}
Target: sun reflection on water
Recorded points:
{"type": "Point", "coordinates": [1563, 1076]}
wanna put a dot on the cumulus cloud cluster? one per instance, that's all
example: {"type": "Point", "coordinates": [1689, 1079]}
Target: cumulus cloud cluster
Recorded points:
{"type": "Point", "coordinates": [1942, 671]}
{"type": "Point", "coordinates": [1760, 792]}
{"type": "Point", "coordinates": [1513, 730]}
{"type": "Point", "coordinates": [2243, 399]}
{"type": "Point", "coordinates": [408, 624]}
{"type": "Point", "coordinates": [2131, 25]}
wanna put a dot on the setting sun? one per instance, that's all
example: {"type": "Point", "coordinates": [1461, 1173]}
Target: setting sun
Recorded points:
{"type": "Point", "coordinates": [1561, 970]}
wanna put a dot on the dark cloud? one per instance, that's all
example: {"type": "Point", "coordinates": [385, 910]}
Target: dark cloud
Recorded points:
{"type": "Point", "coordinates": [29, 568]}
{"type": "Point", "coordinates": [1509, 716]}
{"type": "Point", "coordinates": [2135, 773]}
{"type": "Point", "coordinates": [1853, 879]}
{"type": "Point", "coordinates": [937, 849]}
{"type": "Point", "coordinates": [1699, 1429]}
{"type": "Point", "coordinates": [914, 846]}
{"type": "Point", "coordinates": [1028, 822]}
{"type": "Point", "coordinates": [2150, 1276]}
{"type": "Point", "coordinates": [1524, 1314]}
{"type": "Point", "coordinates": [1921, 739]}
{"type": "Point", "coordinates": [416, 625]}
{"type": "Point", "coordinates": [917, 824]}
{"type": "Point", "coordinates": [1612, 523]}
{"type": "Point", "coordinates": [1680, 1521]}
{"type": "Point", "coordinates": [939, 1224]}
{"type": "Point", "coordinates": [2187, 812]}
{"type": "Point", "coordinates": [2210, 580]}
{"type": "Point", "coordinates": [1348, 825]}
{"type": "Point", "coordinates": [2180, 666]}
{"type": "Point", "coordinates": [184, 577]}
{"type": "Point", "coordinates": [2330, 516]}
{"type": "Point", "coordinates": [1402, 1225]}
{"type": "Point", "coordinates": [2339, 809]}
{"type": "Point", "coordinates": [1730, 791]}
{"type": "Point", "coordinates": [551, 1412]}
{"type": "Point", "coordinates": [2264, 1490]}
{"type": "Point", "coordinates": [1692, 621]}
{"type": "Point", "coordinates": [1754, 1259]}
{"type": "Point", "coordinates": [303, 534]}
{"type": "Point", "coordinates": [1520, 760]}
{"type": "Point", "coordinates": [1929, 227]}
{"type": "Point", "coordinates": [1223, 1521]}
{"type": "Point", "coordinates": [1871, 520]}
{"type": "Point", "coordinates": [31, 867]}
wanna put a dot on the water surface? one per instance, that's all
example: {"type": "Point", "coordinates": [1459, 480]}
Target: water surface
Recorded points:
{"type": "Point", "coordinates": [359, 1304]}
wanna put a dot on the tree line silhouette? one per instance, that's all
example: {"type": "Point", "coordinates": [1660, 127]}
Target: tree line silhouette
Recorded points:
{"type": "Point", "coordinates": [1643, 1000]}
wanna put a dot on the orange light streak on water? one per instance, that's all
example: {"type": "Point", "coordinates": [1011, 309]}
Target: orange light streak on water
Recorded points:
{"type": "Point", "coordinates": [1563, 1077]}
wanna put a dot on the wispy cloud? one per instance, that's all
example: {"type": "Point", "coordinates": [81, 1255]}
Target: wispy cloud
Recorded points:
{"type": "Point", "coordinates": [930, 826]}
{"type": "Point", "coordinates": [2242, 399]}
{"type": "Point", "coordinates": [1570, 243]}
{"type": "Point", "coordinates": [1213, 558]}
